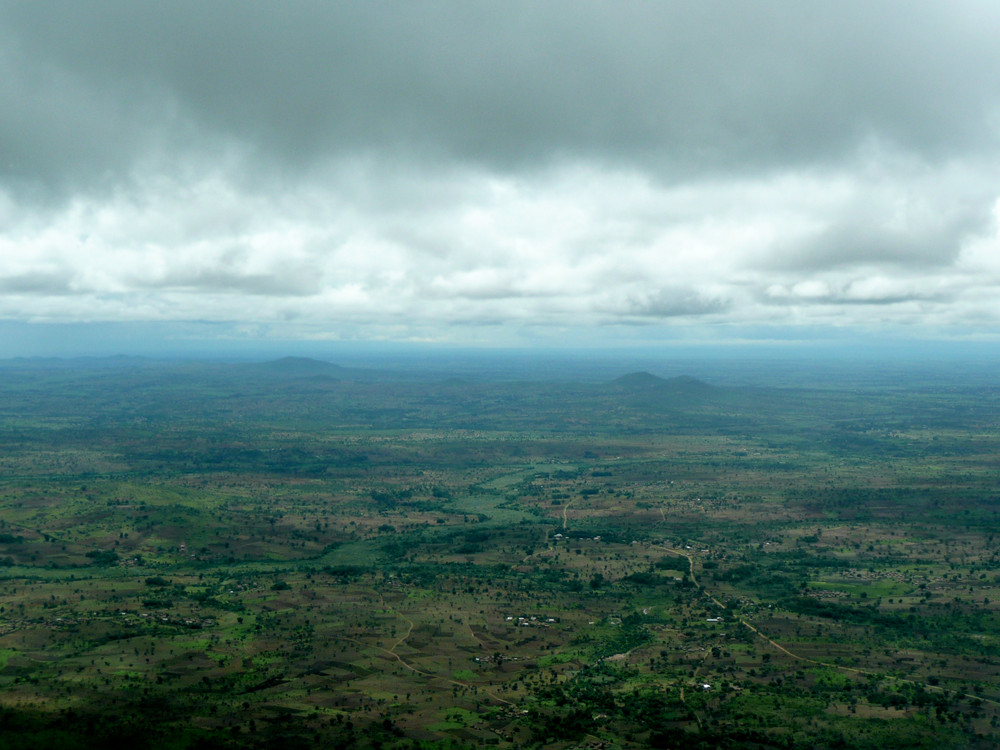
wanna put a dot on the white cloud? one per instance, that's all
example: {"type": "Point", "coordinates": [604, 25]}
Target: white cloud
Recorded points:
{"type": "Point", "coordinates": [570, 246]}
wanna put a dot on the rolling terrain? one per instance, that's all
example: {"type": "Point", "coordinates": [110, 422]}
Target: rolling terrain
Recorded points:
{"type": "Point", "coordinates": [293, 553]}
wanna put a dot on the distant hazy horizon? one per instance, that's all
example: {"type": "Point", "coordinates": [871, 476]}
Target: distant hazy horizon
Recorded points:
{"type": "Point", "coordinates": [870, 362]}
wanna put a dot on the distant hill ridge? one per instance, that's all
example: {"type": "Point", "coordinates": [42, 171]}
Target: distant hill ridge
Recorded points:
{"type": "Point", "coordinates": [298, 367]}
{"type": "Point", "coordinates": [646, 381]}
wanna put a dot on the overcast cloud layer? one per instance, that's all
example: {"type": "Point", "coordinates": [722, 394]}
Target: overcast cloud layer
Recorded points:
{"type": "Point", "coordinates": [488, 171]}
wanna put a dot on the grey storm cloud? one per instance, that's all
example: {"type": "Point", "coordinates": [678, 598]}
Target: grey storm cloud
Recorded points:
{"type": "Point", "coordinates": [53, 282]}
{"type": "Point", "coordinates": [416, 166]}
{"type": "Point", "coordinates": [218, 279]}
{"type": "Point", "coordinates": [691, 86]}
{"type": "Point", "coordinates": [667, 303]}
{"type": "Point", "coordinates": [930, 236]}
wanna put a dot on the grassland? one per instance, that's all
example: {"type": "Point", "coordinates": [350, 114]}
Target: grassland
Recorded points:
{"type": "Point", "coordinates": [294, 555]}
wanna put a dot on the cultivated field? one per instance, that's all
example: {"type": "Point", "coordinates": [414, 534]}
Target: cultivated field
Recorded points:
{"type": "Point", "coordinates": [292, 554]}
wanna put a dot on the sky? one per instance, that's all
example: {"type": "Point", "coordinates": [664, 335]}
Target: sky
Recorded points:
{"type": "Point", "coordinates": [532, 174]}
